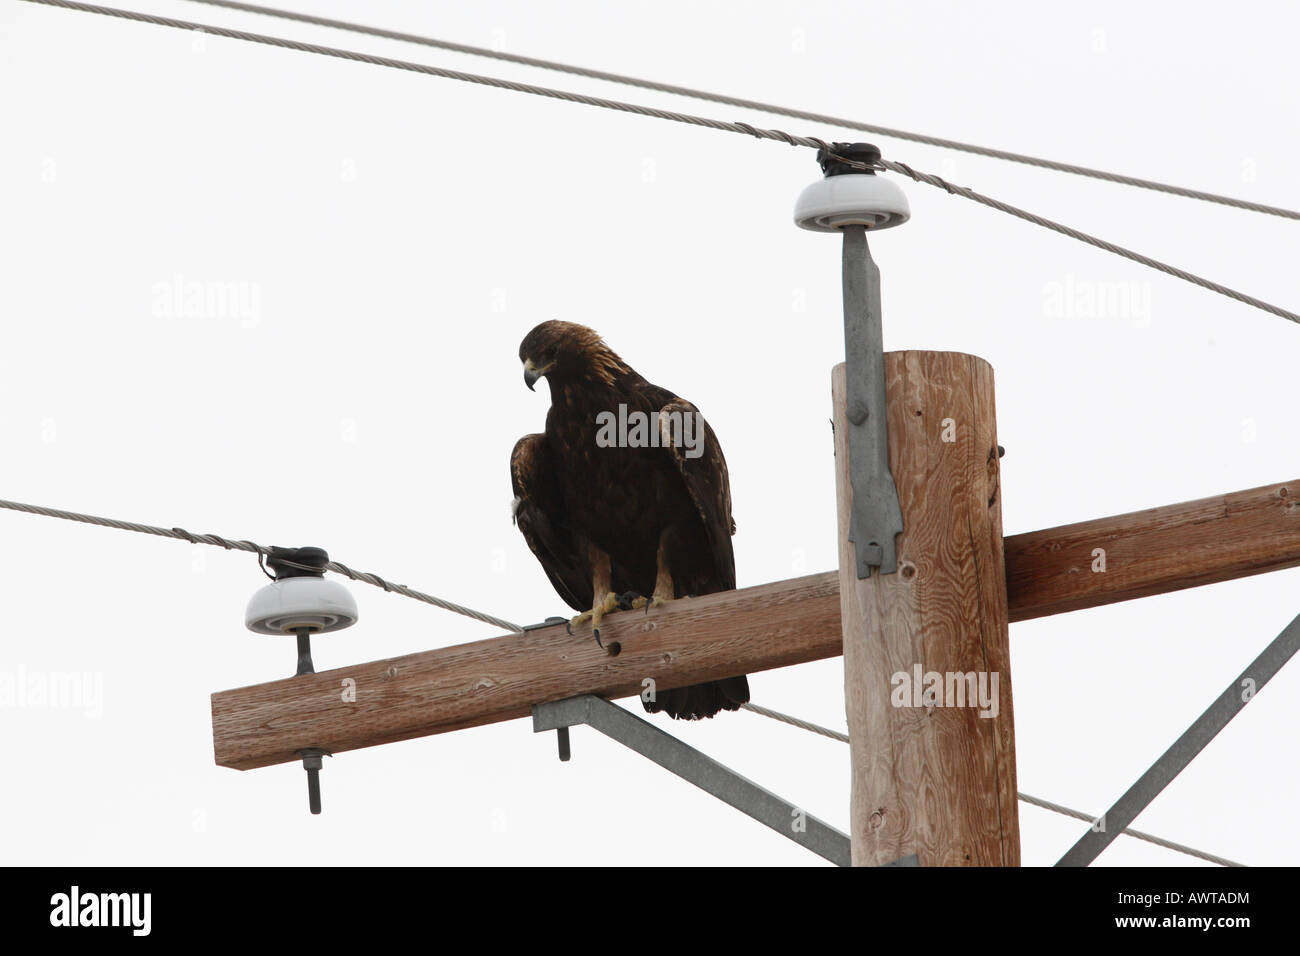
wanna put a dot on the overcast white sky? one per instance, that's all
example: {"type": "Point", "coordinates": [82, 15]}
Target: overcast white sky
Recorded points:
{"type": "Point", "coordinates": [394, 236]}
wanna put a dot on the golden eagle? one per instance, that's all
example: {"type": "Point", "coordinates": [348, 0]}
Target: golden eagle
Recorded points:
{"type": "Point", "coordinates": [625, 493]}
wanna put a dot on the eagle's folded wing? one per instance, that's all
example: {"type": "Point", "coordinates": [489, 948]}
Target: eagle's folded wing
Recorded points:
{"type": "Point", "coordinates": [706, 482]}
{"type": "Point", "coordinates": [538, 511]}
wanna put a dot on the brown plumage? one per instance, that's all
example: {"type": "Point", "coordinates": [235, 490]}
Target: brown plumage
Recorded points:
{"type": "Point", "coordinates": [655, 521]}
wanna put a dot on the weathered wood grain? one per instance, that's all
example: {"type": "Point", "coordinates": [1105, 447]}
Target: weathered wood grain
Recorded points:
{"type": "Point", "coordinates": [695, 639]}
{"type": "Point", "coordinates": [1154, 551]}
{"type": "Point", "coordinates": [937, 781]}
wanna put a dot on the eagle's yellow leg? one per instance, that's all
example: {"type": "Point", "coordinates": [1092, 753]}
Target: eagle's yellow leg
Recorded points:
{"type": "Point", "coordinates": [605, 599]}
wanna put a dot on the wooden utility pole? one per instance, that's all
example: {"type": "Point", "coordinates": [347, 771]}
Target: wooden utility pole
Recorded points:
{"type": "Point", "coordinates": [932, 774]}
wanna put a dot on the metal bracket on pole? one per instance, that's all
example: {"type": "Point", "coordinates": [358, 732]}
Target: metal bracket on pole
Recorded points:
{"type": "Point", "coordinates": [1174, 760]}
{"type": "Point", "coordinates": [691, 765]}
{"type": "Point", "coordinates": [877, 516]}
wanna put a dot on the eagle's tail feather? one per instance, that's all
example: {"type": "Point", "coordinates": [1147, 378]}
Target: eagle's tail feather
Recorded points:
{"type": "Point", "coordinates": [700, 700]}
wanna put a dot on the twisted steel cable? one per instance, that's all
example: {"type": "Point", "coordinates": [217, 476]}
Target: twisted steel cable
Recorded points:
{"type": "Point", "coordinates": [1091, 240]}
{"type": "Point", "coordinates": [758, 106]}
{"type": "Point", "coordinates": [241, 545]}
{"type": "Point", "coordinates": [745, 128]}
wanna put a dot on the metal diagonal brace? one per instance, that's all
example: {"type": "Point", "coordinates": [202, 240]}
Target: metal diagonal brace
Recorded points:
{"type": "Point", "coordinates": [877, 516]}
{"type": "Point", "coordinates": [1174, 760]}
{"type": "Point", "coordinates": [703, 771]}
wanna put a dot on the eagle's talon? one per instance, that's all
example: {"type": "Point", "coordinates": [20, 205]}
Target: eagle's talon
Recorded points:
{"type": "Point", "coordinates": [603, 606]}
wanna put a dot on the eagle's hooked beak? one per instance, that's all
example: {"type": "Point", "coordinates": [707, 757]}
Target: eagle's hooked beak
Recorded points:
{"type": "Point", "coordinates": [532, 373]}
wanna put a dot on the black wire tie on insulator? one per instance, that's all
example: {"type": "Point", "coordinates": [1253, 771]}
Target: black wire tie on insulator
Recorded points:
{"type": "Point", "coordinates": [300, 601]}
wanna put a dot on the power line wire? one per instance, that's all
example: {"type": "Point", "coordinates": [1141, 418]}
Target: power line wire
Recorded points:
{"type": "Point", "coordinates": [1034, 801]}
{"type": "Point", "coordinates": [233, 545]}
{"type": "Point", "coordinates": [797, 722]}
{"type": "Point", "coordinates": [1091, 240]}
{"type": "Point", "coordinates": [1138, 834]}
{"type": "Point", "coordinates": [757, 106]}
{"type": "Point", "coordinates": [745, 128]}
